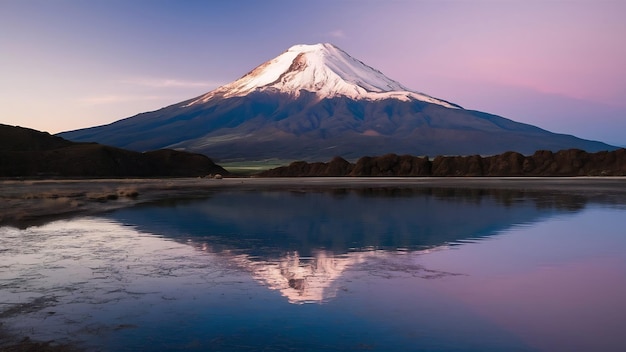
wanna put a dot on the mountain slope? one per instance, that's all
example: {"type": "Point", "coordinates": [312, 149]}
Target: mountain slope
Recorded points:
{"type": "Point", "coordinates": [313, 102]}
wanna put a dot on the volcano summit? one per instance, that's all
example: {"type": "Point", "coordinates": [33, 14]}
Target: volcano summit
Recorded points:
{"type": "Point", "coordinates": [313, 102]}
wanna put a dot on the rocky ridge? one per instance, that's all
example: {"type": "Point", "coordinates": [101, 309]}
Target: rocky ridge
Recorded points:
{"type": "Point", "coordinates": [571, 162]}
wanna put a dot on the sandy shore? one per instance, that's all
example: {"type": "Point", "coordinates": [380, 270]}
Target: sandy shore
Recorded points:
{"type": "Point", "coordinates": [31, 202]}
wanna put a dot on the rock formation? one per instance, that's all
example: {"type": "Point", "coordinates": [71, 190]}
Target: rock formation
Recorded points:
{"type": "Point", "coordinates": [571, 162]}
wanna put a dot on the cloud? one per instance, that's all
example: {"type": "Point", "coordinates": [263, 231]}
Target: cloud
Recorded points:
{"type": "Point", "coordinates": [170, 83]}
{"type": "Point", "coordinates": [141, 89]}
{"type": "Point", "coordinates": [114, 99]}
{"type": "Point", "coordinates": [337, 33]}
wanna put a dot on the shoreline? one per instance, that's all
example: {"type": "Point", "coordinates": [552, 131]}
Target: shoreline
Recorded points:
{"type": "Point", "coordinates": [25, 203]}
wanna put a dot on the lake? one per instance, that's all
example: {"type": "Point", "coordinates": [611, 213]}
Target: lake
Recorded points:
{"type": "Point", "coordinates": [374, 269]}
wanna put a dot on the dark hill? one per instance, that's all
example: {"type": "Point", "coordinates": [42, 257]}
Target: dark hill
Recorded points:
{"type": "Point", "coordinates": [14, 138]}
{"type": "Point", "coordinates": [25, 152]}
{"type": "Point", "coordinates": [571, 162]}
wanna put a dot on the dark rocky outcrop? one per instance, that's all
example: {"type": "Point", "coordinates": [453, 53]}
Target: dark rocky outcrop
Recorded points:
{"type": "Point", "coordinates": [571, 162]}
{"type": "Point", "coordinates": [27, 153]}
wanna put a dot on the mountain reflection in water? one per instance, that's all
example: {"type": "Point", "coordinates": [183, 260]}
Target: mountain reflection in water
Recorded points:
{"type": "Point", "coordinates": [415, 269]}
{"type": "Point", "coordinates": [300, 243]}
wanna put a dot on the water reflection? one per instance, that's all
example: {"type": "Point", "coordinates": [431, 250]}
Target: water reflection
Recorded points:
{"type": "Point", "coordinates": [388, 269]}
{"type": "Point", "coordinates": [300, 243]}
{"type": "Point", "coordinates": [301, 280]}
{"type": "Point", "coordinates": [266, 224]}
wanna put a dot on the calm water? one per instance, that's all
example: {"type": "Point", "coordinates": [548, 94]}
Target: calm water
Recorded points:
{"type": "Point", "coordinates": [382, 270]}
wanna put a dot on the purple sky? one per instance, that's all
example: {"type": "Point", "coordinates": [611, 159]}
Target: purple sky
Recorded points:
{"type": "Point", "coordinates": [560, 65]}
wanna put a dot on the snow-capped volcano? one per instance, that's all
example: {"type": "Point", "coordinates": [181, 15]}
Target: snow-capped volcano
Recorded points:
{"type": "Point", "coordinates": [314, 102]}
{"type": "Point", "coordinates": [324, 70]}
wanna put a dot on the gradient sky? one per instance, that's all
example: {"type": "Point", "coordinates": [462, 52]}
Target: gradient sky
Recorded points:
{"type": "Point", "coordinates": [560, 65]}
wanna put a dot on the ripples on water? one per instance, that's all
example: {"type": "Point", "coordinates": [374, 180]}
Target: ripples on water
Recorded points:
{"type": "Point", "coordinates": [320, 271]}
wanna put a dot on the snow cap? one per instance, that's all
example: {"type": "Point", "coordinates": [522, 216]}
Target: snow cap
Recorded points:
{"type": "Point", "coordinates": [323, 69]}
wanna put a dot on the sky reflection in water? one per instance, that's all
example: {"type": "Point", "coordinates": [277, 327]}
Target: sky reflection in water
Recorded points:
{"type": "Point", "coordinates": [417, 270]}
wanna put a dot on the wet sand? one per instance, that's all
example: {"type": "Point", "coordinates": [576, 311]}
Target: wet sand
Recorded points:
{"type": "Point", "coordinates": [25, 203]}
